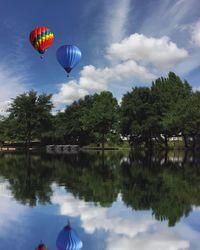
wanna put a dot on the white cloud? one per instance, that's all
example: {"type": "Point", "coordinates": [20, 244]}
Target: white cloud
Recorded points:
{"type": "Point", "coordinates": [174, 19]}
{"type": "Point", "coordinates": [98, 79]}
{"type": "Point", "coordinates": [116, 18]}
{"type": "Point", "coordinates": [137, 57]}
{"type": "Point", "coordinates": [11, 84]}
{"type": "Point", "coordinates": [4, 106]}
{"type": "Point", "coordinates": [94, 79]}
{"type": "Point", "coordinates": [189, 64]}
{"type": "Point", "coordinates": [195, 28]}
{"type": "Point", "coordinates": [165, 17]}
{"type": "Point", "coordinates": [161, 52]}
{"type": "Point", "coordinates": [68, 93]}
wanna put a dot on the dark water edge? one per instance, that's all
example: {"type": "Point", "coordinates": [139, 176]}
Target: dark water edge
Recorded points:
{"type": "Point", "coordinates": [161, 188]}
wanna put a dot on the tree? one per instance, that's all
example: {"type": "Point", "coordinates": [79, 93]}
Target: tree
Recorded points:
{"type": "Point", "coordinates": [103, 116]}
{"type": "Point", "coordinates": [167, 92]}
{"type": "Point", "coordinates": [186, 115]}
{"type": "Point", "coordinates": [138, 116]}
{"type": "Point", "coordinates": [30, 116]}
{"type": "Point", "coordinates": [70, 125]}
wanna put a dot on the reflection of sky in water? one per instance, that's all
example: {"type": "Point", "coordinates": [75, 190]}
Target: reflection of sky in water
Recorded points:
{"type": "Point", "coordinates": [100, 228]}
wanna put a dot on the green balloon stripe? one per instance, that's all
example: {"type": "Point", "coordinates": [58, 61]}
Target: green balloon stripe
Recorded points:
{"type": "Point", "coordinates": [40, 36]}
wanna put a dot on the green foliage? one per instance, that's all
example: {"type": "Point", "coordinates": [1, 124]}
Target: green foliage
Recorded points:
{"type": "Point", "coordinates": [88, 120]}
{"type": "Point", "coordinates": [157, 113]}
{"type": "Point", "coordinates": [148, 116]}
{"type": "Point", "coordinates": [103, 116]}
{"type": "Point", "coordinates": [70, 125]}
{"type": "Point", "coordinates": [167, 92]}
{"type": "Point", "coordinates": [29, 117]}
{"type": "Point", "coordinates": [138, 116]}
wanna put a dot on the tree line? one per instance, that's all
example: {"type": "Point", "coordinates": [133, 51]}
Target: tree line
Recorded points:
{"type": "Point", "coordinates": [146, 116]}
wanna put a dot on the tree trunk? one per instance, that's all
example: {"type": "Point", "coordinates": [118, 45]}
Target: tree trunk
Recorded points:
{"type": "Point", "coordinates": [185, 141]}
{"type": "Point", "coordinates": [166, 157]}
{"type": "Point", "coordinates": [166, 141]}
{"type": "Point", "coordinates": [185, 158]}
{"type": "Point", "coordinates": [29, 140]}
{"type": "Point", "coordinates": [194, 141]}
{"type": "Point", "coordinates": [103, 158]}
{"type": "Point", "coordinates": [28, 135]}
{"type": "Point", "coordinates": [149, 143]}
{"type": "Point", "coordinates": [103, 141]}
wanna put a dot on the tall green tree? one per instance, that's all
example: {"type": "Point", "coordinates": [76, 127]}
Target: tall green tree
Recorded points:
{"type": "Point", "coordinates": [30, 115]}
{"type": "Point", "coordinates": [138, 116]}
{"type": "Point", "coordinates": [167, 92]}
{"type": "Point", "coordinates": [103, 116]}
{"type": "Point", "coordinates": [186, 116]}
{"type": "Point", "coordinates": [70, 125]}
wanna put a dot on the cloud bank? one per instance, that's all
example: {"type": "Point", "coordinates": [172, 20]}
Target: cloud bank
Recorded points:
{"type": "Point", "coordinates": [136, 57]}
{"type": "Point", "coordinates": [160, 52]}
{"type": "Point", "coordinates": [125, 229]}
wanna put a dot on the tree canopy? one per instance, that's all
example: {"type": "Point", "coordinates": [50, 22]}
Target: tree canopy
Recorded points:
{"type": "Point", "coordinates": [29, 117]}
{"type": "Point", "coordinates": [146, 116]}
{"type": "Point", "coordinates": [155, 114]}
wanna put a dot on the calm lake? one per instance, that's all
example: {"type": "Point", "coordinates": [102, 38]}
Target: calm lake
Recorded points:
{"type": "Point", "coordinates": [114, 201]}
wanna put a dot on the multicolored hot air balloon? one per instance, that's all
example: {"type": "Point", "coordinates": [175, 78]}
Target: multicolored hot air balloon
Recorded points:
{"type": "Point", "coordinates": [41, 247]}
{"type": "Point", "coordinates": [68, 56]}
{"type": "Point", "coordinates": [68, 239]}
{"type": "Point", "coordinates": [41, 38]}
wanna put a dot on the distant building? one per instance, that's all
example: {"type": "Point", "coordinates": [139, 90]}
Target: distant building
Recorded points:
{"type": "Point", "coordinates": [62, 149]}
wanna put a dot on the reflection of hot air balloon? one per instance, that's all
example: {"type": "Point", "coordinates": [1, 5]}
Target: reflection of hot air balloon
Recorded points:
{"type": "Point", "coordinates": [41, 247]}
{"type": "Point", "coordinates": [68, 239]}
{"type": "Point", "coordinates": [68, 56]}
{"type": "Point", "coordinates": [41, 38]}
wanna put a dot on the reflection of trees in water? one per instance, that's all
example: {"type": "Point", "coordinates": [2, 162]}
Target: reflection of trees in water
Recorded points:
{"type": "Point", "coordinates": [168, 184]}
{"type": "Point", "coordinates": [169, 189]}
{"type": "Point", "coordinates": [93, 178]}
{"type": "Point", "coordinates": [28, 178]}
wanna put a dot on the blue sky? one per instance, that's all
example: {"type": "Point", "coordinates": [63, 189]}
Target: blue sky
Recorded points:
{"type": "Point", "coordinates": [124, 43]}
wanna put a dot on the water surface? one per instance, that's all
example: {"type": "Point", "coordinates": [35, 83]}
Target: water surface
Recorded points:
{"type": "Point", "coordinates": [114, 201]}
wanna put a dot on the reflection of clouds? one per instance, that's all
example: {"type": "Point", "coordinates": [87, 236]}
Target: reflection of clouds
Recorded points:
{"type": "Point", "coordinates": [196, 208]}
{"type": "Point", "coordinates": [125, 228]}
{"type": "Point", "coordinates": [96, 217]}
{"type": "Point", "coordinates": [10, 210]}
{"type": "Point", "coordinates": [4, 189]}
{"type": "Point", "coordinates": [156, 241]}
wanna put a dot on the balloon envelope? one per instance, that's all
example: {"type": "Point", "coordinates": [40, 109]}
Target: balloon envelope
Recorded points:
{"type": "Point", "coordinates": [41, 247]}
{"type": "Point", "coordinates": [68, 240]}
{"type": "Point", "coordinates": [68, 56]}
{"type": "Point", "coordinates": [41, 39]}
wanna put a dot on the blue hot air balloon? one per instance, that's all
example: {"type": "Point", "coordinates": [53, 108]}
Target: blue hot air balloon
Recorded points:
{"type": "Point", "coordinates": [68, 56]}
{"type": "Point", "coordinates": [68, 239]}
